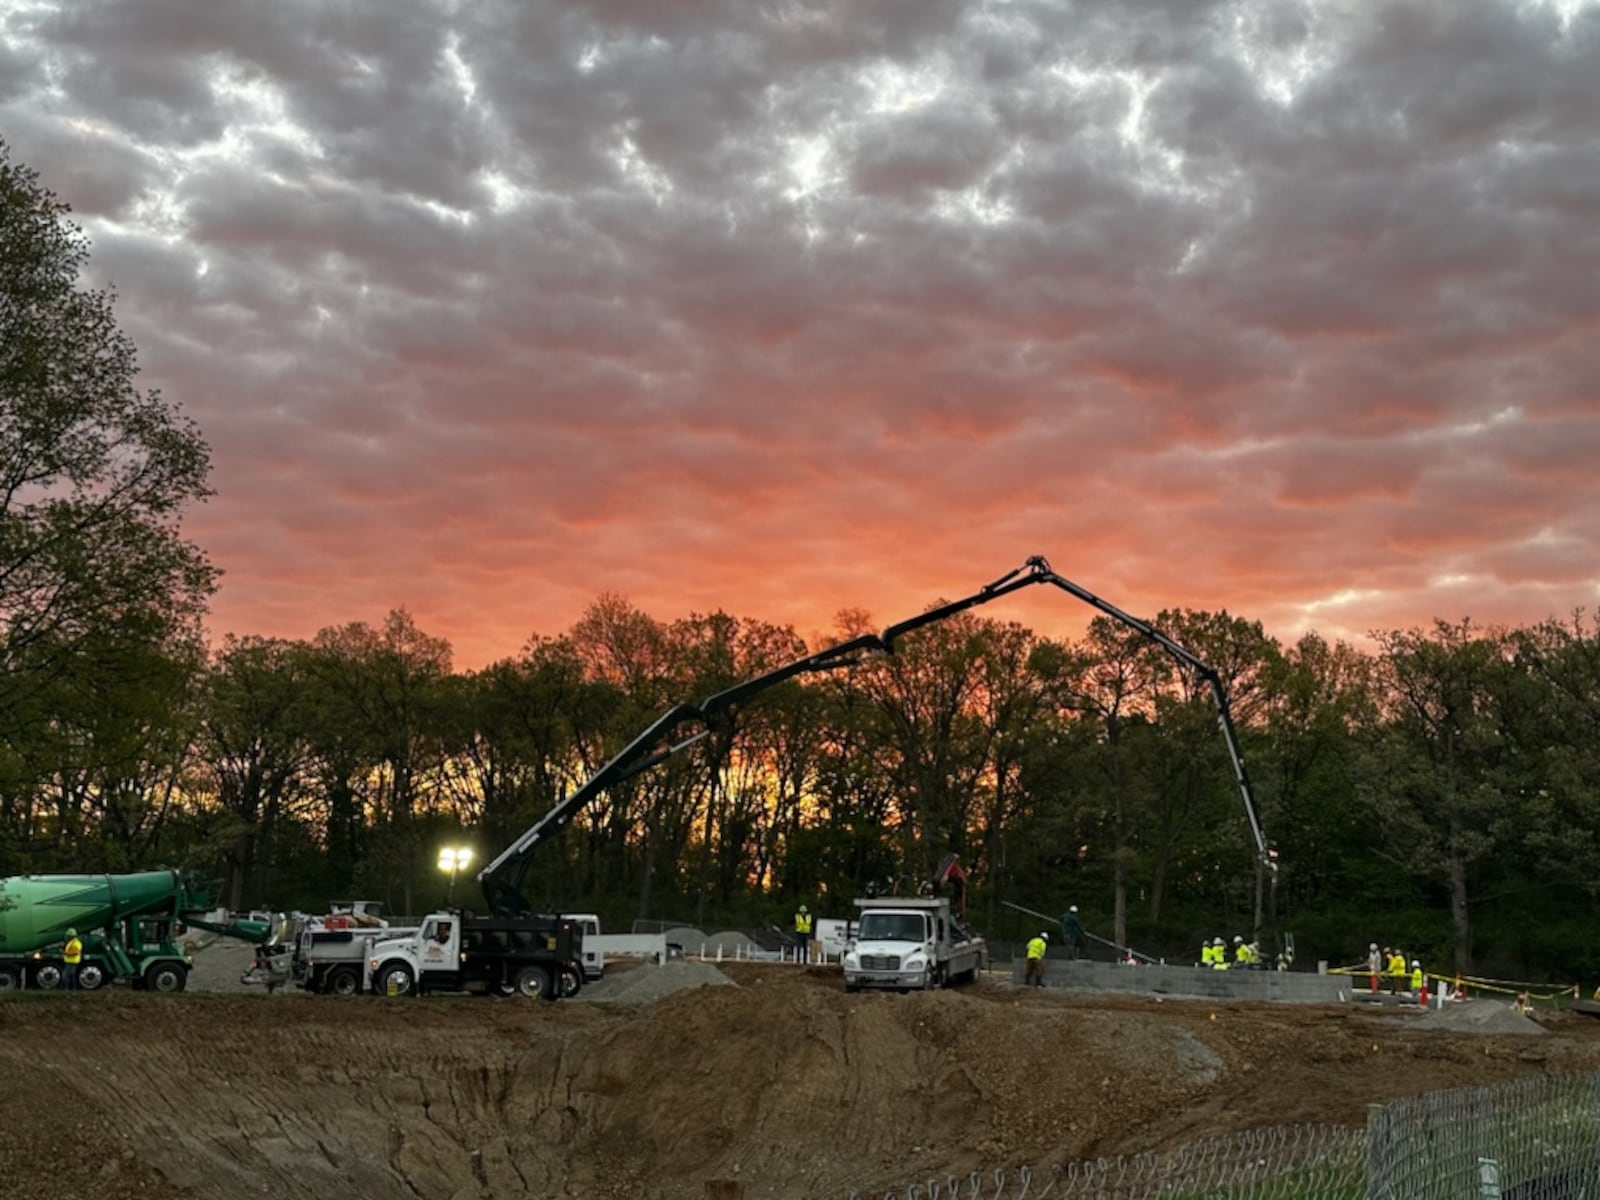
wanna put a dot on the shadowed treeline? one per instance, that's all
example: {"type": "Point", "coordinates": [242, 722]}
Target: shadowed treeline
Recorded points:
{"type": "Point", "coordinates": [1437, 793]}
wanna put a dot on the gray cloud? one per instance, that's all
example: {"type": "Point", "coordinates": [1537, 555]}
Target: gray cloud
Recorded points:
{"type": "Point", "coordinates": [783, 307]}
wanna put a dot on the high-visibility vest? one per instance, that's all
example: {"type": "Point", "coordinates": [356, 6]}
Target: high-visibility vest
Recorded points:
{"type": "Point", "coordinates": [1397, 964]}
{"type": "Point", "coordinates": [802, 922]}
{"type": "Point", "coordinates": [72, 955]}
{"type": "Point", "coordinates": [1036, 947]}
{"type": "Point", "coordinates": [1416, 980]}
{"type": "Point", "coordinates": [1206, 955]}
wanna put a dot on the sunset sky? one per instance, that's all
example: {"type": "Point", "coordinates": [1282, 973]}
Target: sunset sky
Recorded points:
{"type": "Point", "coordinates": [774, 306]}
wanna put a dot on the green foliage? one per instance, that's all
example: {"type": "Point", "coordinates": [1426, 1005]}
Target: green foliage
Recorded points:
{"type": "Point", "coordinates": [100, 595]}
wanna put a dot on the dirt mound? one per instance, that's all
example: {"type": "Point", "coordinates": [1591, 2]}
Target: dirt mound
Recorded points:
{"type": "Point", "coordinates": [1480, 1016]}
{"type": "Point", "coordinates": [784, 1082]}
{"type": "Point", "coordinates": [645, 983]}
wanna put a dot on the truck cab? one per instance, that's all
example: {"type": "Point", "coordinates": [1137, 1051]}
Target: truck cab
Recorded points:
{"type": "Point", "coordinates": [902, 943]}
{"type": "Point", "coordinates": [594, 955]}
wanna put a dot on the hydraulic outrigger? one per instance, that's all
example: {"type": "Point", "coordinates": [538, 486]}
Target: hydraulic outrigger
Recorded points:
{"type": "Point", "coordinates": [502, 880]}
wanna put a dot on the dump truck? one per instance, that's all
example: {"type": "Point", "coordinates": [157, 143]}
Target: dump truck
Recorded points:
{"type": "Point", "coordinates": [457, 951]}
{"type": "Point", "coordinates": [905, 943]}
{"type": "Point", "coordinates": [127, 924]}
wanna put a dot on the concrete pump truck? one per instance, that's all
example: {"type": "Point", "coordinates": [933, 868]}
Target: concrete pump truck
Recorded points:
{"type": "Point", "coordinates": [963, 952]}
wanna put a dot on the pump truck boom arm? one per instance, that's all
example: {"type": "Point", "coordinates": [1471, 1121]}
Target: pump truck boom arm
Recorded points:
{"type": "Point", "coordinates": [502, 880]}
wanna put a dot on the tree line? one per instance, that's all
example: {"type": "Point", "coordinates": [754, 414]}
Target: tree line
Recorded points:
{"type": "Point", "coordinates": [1437, 791]}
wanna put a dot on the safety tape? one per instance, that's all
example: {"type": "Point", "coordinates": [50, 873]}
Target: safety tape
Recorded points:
{"type": "Point", "coordinates": [1512, 988]}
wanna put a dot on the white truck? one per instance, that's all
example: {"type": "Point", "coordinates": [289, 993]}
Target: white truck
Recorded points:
{"type": "Point", "coordinates": [457, 951]}
{"type": "Point", "coordinates": [904, 943]}
{"type": "Point", "coordinates": [327, 953]}
{"type": "Point", "coordinates": [594, 953]}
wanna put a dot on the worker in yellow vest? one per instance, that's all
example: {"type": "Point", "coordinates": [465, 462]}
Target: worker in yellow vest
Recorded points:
{"type": "Point", "coordinates": [1036, 948]}
{"type": "Point", "coordinates": [1205, 952]}
{"type": "Point", "coordinates": [1397, 971]}
{"type": "Point", "coordinates": [802, 935]}
{"type": "Point", "coordinates": [1219, 955]}
{"type": "Point", "coordinates": [71, 956]}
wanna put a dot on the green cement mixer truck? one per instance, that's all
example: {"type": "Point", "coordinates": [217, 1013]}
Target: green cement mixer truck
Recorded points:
{"type": "Point", "coordinates": [127, 923]}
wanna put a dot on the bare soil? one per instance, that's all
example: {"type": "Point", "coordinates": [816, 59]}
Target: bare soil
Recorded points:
{"type": "Point", "coordinates": [782, 1081]}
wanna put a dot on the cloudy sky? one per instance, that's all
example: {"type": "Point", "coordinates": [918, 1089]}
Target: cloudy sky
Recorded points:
{"type": "Point", "coordinates": [1288, 307]}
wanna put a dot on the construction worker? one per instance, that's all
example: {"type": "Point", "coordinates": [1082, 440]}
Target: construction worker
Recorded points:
{"type": "Point", "coordinates": [71, 956]}
{"type": "Point", "coordinates": [1219, 955]}
{"type": "Point", "coordinates": [802, 934]}
{"type": "Point", "coordinates": [1071, 931]}
{"type": "Point", "coordinates": [1205, 952]}
{"type": "Point", "coordinates": [1241, 952]}
{"type": "Point", "coordinates": [1397, 971]}
{"type": "Point", "coordinates": [1036, 948]}
{"type": "Point", "coordinates": [1374, 965]}
{"type": "Point", "coordinates": [1419, 983]}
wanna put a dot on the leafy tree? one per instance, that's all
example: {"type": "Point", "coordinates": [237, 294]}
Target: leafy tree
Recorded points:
{"type": "Point", "coordinates": [94, 472]}
{"type": "Point", "coordinates": [1436, 782]}
{"type": "Point", "coordinates": [255, 737]}
{"type": "Point", "coordinates": [387, 686]}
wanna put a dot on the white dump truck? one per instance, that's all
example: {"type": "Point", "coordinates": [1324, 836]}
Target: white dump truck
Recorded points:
{"type": "Point", "coordinates": [903, 943]}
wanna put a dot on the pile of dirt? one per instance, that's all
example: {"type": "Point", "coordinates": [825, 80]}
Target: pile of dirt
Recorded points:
{"type": "Point", "coordinates": [645, 983]}
{"type": "Point", "coordinates": [1480, 1016]}
{"type": "Point", "coordinates": [783, 1082]}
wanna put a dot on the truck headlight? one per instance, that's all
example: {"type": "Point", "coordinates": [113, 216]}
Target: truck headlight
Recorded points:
{"type": "Point", "coordinates": [915, 963]}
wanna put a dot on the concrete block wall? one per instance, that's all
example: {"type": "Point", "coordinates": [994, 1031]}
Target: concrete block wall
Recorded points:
{"type": "Point", "coordinates": [1194, 983]}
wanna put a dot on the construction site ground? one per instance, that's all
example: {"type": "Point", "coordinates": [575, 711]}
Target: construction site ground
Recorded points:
{"type": "Point", "coordinates": [661, 1084]}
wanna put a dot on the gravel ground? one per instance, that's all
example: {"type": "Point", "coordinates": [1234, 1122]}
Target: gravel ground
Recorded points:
{"type": "Point", "coordinates": [220, 961]}
{"type": "Point", "coordinates": [1479, 1016]}
{"type": "Point", "coordinates": [643, 983]}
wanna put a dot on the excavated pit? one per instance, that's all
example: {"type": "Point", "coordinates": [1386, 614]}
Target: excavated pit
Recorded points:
{"type": "Point", "coordinates": [781, 1081]}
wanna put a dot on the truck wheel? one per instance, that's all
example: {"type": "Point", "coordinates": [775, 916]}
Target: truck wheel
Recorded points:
{"type": "Point", "coordinates": [165, 977]}
{"type": "Point", "coordinates": [91, 977]}
{"type": "Point", "coordinates": [47, 977]}
{"type": "Point", "coordinates": [534, 982]}
{"type": "Point", "coordinates": [10, 978]}
{"type": "Point", "coordinates": [344, 982]}
{"type": "Point", "coordinates": [394, 975]}
{"type": "Point", "coordinates": [571, 981]}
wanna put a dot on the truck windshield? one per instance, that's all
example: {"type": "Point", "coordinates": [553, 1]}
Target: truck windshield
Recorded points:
{"type": "Point", "coordinates": [893, 927]}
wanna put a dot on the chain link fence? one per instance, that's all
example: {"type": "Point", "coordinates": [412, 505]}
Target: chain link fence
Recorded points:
{"type": "Point", "coordinates": [1305, 1162]}
{"type": "Point", "coordinates": [1537, 1139]}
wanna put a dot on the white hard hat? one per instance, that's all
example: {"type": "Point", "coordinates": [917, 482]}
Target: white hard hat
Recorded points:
{"type": "Point", "coordinates": [1374, 946]}
{"type": "Point", "coordinates": [1237, 938]}
{"type": "Point", "coordinates": [1216, 941]}
{"type": "Point", "coordinates": [1074, 908]}
{"type": "Point", "coordinates": [1044, 935]}
{"type": "Point", "coordinates": [1416, 964]}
